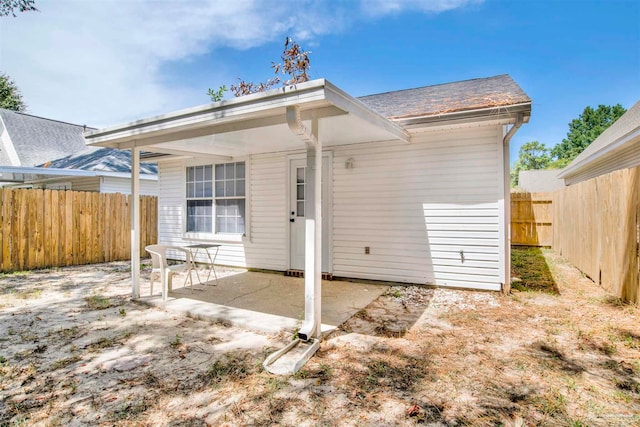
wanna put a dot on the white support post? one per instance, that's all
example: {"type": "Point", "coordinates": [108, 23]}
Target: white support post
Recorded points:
{"type": "Point", "coordinates": [317, 251]}
{"type": "Point", "coordinates": [313, 240]}
{"type": "Point", "coordinates": [135, 222]}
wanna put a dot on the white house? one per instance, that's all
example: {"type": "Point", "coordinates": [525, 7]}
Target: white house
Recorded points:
{"type": "Point", "coordinates": [415, 183]}
{"type": "Point", "coordinates": [102, 170]}
{"type": "Point", "coordinates": [37, 152]}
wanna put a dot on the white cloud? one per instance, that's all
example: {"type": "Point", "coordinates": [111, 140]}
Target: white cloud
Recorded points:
{"type": "Point", "coordinates": [99, 62]}
{"type": "Point", "coordinates": [385, 7]}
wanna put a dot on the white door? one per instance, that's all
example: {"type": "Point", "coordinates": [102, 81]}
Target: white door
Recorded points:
{"type": "Point", "coordinates": [297, 210]}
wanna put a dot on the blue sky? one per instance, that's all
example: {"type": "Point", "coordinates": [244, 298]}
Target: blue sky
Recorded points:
{"type": "Point", "coordinates": [105, 62]}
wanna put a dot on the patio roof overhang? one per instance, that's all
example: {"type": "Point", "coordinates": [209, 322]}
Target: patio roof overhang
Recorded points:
{"type": "Point", "coordinates": [254, 124]}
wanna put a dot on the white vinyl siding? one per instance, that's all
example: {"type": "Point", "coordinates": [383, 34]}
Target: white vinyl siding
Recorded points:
{"type": "Point", "coordinates": [464, 243]}
{"type": "Point", "coordinates": [111, 184]}
{"type": "Point", "coordinates": [105, 184]}
{"type": "Point", "coordinates": [414, 205]}
{"type": "Point", "coordinates": [85, 184]}
{"type": "Point", "coordinates": [269, 213]}
{"type": "Point", "coordinates": [171, 182]}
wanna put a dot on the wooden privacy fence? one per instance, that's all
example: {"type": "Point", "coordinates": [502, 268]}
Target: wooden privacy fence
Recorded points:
{"type": "Point", "coordinates": [532, 219]}
{"type": "Point", "coordinates": [597, 229]}
{"type": "Point", "coordinates": [50, 228]}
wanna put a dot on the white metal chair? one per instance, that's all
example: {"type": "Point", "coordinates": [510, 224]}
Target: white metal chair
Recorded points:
{"type": "Point", "coordinates": [161, 268]}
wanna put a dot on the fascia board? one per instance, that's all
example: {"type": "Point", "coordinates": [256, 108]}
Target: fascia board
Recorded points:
{"type": "Point", "coordinates": [590, 161]}
{"type": "Point", "coordinates": [245, 107]}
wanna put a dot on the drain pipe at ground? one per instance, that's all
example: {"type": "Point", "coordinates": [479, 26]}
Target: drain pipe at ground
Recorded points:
{"type": "Point", "coordinates": [291, 358]}
{"type": "Point", "coordinates": [310, 329]}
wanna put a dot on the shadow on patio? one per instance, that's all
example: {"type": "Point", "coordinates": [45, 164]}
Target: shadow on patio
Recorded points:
{"type": "Point", "coordinates": [261, 301]}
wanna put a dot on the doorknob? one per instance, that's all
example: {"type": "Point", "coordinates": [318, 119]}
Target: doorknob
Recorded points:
{"type": "Point", "coordinates": [292, 220]}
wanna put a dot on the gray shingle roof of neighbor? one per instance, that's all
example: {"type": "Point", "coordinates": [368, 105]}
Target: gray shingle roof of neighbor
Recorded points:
{"type": "Point", "coordinates": [496, 91]}
{"type": "Point", "coordinates": [37, 140]}
{"type": "Point", "coordinates": [101, 159]}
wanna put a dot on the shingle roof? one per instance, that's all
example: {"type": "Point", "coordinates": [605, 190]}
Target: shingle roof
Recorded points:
{"type": "Point", "coordinates": [465, 95]}
{"type": "Point", "coordinates": [36, 139]}
{"type": "Point", "coordinates": [101, 159]}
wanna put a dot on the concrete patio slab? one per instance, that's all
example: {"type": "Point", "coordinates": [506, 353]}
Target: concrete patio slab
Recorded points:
{"type": "Point", "coordinates": [264, 302]}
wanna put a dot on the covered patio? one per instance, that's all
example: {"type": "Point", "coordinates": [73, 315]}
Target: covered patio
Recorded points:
{"type": "Point", "coordinates": [306, 116]}
{"type": "Point", "coordinates": [259, 301]}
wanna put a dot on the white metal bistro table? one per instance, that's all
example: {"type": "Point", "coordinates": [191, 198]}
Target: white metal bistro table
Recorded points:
{"type": "Point", "coordinates": [211, 249]}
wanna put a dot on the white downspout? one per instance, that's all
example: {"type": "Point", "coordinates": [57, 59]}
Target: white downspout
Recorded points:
{"type": "Point", "coordinates": [311, 328]}
{"type": "Point", "coordinates": [135, 222]}
{"type": "Point", "coordinates": [506, 286]}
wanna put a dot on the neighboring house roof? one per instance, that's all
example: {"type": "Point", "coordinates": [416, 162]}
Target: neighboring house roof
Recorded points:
{"type": "Point", "coordinates": [101, 159]}
{"type": "Point", "coordinates": [535, 181]}
{"type": "Point", "coordinates": [482, 93]}
{"type": "Point", "coordinates": [618, 147]}
{"type": "Point", "coordinates": [91, 161]}
{"type": "Point", "coordinates": [27, 140]}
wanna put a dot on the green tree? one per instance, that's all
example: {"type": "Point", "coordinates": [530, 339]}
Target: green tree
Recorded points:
{"type": "Point", "coordinates": [584, 130]}
{"type": "Point", "coordinates": [9, 7]}
{"type": "Point", "coordinates": [10, 96]}
{"type": "Point", "coordinates": [532, 155]}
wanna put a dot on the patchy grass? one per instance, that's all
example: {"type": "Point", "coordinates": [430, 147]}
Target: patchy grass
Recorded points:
{"type": "Point", "coordinates": [232, 367]}
{"type": "Point", "coordinates": [560, 352]}
{"type": "Point", "coordinates": [98, 302]}
{"type": "Point", "coordinates": [14, 274]}
{"type": "Point", "coordinates": [64, 362]}
{"type": "Point", "coordinates": [530, 269]}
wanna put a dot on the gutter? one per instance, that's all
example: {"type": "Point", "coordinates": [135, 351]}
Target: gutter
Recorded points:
{"type": "Point", "coordinates": [505, 111]}
{"type": "Point", "coordinates": [514, 128]}
{"type": "Point", "coordinates": [506, 226]}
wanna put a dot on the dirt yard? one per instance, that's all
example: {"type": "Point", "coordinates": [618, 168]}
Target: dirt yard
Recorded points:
{"type": "Point", "coordinates": [74, 350]}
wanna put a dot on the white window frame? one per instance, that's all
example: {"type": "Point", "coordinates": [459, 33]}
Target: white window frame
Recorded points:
{"type": "Point", "coordinates": [214, 236]}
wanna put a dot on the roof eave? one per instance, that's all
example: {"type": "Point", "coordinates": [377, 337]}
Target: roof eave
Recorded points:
{"type": "Point", "coordinates": [246, 112]}
{"type": "Point", "coordinates": [582, 166]}
{"type": "Point", "coordinates": [507, 113]}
